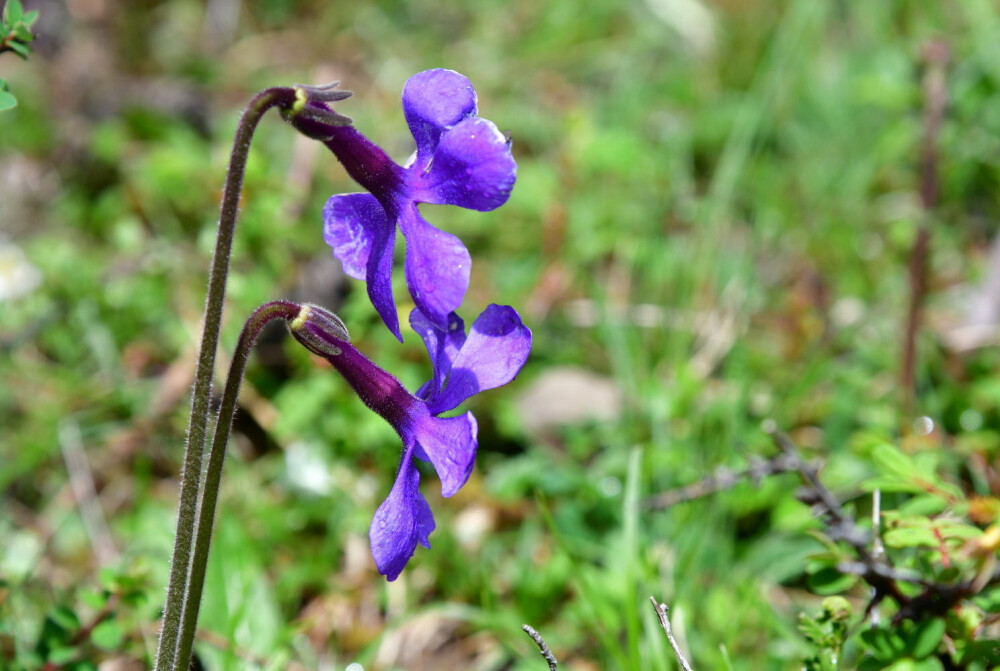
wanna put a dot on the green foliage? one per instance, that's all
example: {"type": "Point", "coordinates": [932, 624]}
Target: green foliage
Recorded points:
{"type": "Point", "coordinates": [827, 633]}
{"type": "Point", "coordinates": [72, 636]}
{"type": "Point", "coordinates": [7, 99]}
{"type": "Point", "coordinates": [932, 580]}
{"type": "Point", "coordinates": [15, 36]}
{"type": "Point", "coordinates": [719, 230]}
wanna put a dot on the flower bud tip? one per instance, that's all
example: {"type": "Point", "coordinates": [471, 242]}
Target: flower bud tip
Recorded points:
{"type": "Point", "coordinates": [319, 330]}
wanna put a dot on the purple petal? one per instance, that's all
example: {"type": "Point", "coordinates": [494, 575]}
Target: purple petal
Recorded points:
{"type": "Point", "coordinates": [472, 167]}
{"type": "Point", "coordinates": [437, 267]}
{"type": "Point", "coordinates": [442, 346]}
{"type": "Point", "coordinates": [493, 354]}
{"type": "Point", "coordinates": [450, 444]}
{"type": "Point", "coordinates": [362, 236]}
{"type": "Point", "coordinates": [434, 100]}
{"type": "Point", "coordinates": [380, 279]}
{"type": "Point", "coordinates": [403, 520]}
{"type": "Point", "coordinates": [350, 223]}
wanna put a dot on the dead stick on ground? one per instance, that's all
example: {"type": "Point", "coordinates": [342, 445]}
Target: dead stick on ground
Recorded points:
{"type": "Point", "coordinates": [661, 613]}
{"type": "Point", "coordinates": [540, 642]}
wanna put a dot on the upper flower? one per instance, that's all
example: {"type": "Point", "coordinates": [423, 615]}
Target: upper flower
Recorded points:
{"type": "Point", "coordinates": [491, 356]}
{"type": "Point", "coordinates": [461, 159]}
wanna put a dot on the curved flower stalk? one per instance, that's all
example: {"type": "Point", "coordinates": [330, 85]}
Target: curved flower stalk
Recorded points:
{"type": "Point", "coordinates": [461, 159]}
{"type": "Point", "coordinates": [492, 355]}
{"type": "Point", "coordinates": [289, 101]}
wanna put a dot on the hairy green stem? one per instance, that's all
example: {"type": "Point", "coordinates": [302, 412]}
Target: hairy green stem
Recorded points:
{"type": "Point", "coordinates": [213, 474]}
{"type": "Point", "coordinates": [200, 397]}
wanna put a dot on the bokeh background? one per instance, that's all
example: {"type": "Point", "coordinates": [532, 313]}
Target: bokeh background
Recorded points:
{"type": "Point", "coordinates": [713, 226]}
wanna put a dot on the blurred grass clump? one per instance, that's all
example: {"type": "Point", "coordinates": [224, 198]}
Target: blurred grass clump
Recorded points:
{"type": "Point", "coordinates": [713, 227]}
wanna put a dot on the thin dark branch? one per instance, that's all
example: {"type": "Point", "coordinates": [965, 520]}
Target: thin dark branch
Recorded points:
{"type": "Point", "coordinates": [540, 642]}
{"type": "Point", "coordinates": [84, 632]}
{"type": "Point", "coordinates": [936, 56]}
{"type": "Point", "coordinates": [824, 495]}
{"type": "Point", "coordinates": [723, 479]}
{"type": "Point", "coordinates": [879, 569]}
{"type": "Point", "coordinates": [661, 613]}
{"type": "Point", "coordinates": [918, 287]}
{"type": "Point", "coordinates": [841, 526]}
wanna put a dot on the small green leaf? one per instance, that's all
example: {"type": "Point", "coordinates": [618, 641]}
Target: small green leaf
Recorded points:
{"type": "Point", "coordinates": [93, 598]}
{"type": "Point", "coordinates": [61, 655]}
{"type": "Point", "coordinates": [811, 630]}
{"type": "Point", "coordinates": [929, 664]}
{"type": "Point", "coordinates": [891, 461]}
{"type": "Point", "coordinates": [29, 18]}
{"type": "Point", "coordinates": [19, 49]}
{"type": "Point", "coordinates": [107, 635]}
{"type": "Point", "coordinates": [7, 101]}
{"type": "Point", "coordinates": [830, 581]}
{"type": "Point", "coordinates": [924, 504]}
{"type": "Point", "coordinates": [989, 600]}
{"type": "Point", "coordinates": [13, 12]}
{"type": "Point", "coordinates": [890, 483]}
{"type": "Point", "coordinates": [910, 537]}
{"type": "Point", "coordinates": [837, 609]}
{"type": "Point", "coordinates": [925, 637]}
{"type": "Point", "coordinates": [986, 651]}
{"type": "Point", "coordinates": [22, 32]}
{"type": "Point", "coordinates": [65, 618]}
{"type": "Point", "coordinates": [884, 644]}
{"type": "Point", "coordinates": [82, 665]}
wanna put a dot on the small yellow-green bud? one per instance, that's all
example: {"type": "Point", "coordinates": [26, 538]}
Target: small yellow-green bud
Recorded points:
{"type": "Point", "coordinates": [319, 330]}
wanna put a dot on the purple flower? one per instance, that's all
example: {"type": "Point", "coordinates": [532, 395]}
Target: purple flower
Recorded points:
{"type": "Point", "coordinates": [491, 356]}
{"type": "Point", "coordinates": [461, 159]}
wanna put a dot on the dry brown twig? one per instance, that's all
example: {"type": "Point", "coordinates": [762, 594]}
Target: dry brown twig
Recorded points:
{"type": "Point", "coordinates": [723, 479]}
{"type": "Point", "coordinates": [542, 645]}
{"type": "Point", "coordinates": [661, 613]}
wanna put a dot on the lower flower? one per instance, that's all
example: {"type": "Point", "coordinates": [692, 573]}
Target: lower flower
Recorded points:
{"type": "Point", "coordinates": [490, 356]}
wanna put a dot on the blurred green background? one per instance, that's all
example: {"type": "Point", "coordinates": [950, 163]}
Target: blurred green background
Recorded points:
{"type": "Point", "coordinates": [712, 226]}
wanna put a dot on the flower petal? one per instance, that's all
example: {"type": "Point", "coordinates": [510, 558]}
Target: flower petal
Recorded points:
{"type": "Point", "coordinates": [403, 520]}
{"type": "Point", "coordinates": [380, 279]}
{"type": "Point", "coordinates": [434, 100]}
{"type": "Point", "coordinates": [450, 444]}
{"type": "Point", "coordinates": [442, 346]}
{"type": "Point", "coordinates": [437, 267]}
{"type": "Point", "coordinates": [493, 354]}
{"type": "Point", "coordinates": [473, 167]}
{"type": "Point", "coordinates": [350, 223]}
{"type": "Point", "coordinates": [363, 236]}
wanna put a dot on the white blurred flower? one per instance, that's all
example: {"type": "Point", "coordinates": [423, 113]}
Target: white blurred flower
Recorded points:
{"type": "Point", "coordinates": [18, 276]}
{"type": "Point", "coordinates": [690, 19]}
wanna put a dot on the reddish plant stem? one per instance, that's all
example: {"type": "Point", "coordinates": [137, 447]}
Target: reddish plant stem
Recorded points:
{"type": "Point", "coordinates": [935, 97]}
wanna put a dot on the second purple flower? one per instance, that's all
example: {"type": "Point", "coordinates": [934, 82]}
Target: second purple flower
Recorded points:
{"type": "Point", "coordinates": [491, 356]}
